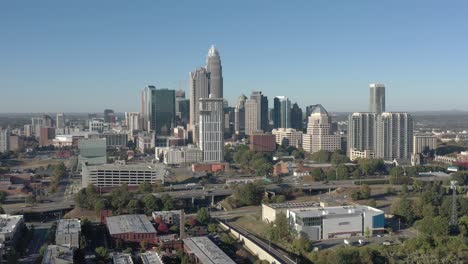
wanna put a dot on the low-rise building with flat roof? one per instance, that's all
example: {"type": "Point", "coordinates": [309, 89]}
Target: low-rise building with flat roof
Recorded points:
{"type": "Point", "coordinates": [58, 254]}
{"type": "Point", "coordinates": [167, 217]}
{"type": "Point", "coordinates": [203, 250]}
{"type": "Point", "coordinates": [179, 155]}
{"type": "Point", "coordinates": [150, 257]}
{"type": "Point", "coordinates": [68, 233]}
{"type": "Point", "coordinates": [270, 211]}
{"type": "Point", "coordinates": [321, 223]}
{"type": "Point", "coordinates": [121, 258]}
{"type": "Point", "coordinates": [10, 230]}
{"type": "Point", "coordinates": [113, 175]}
{"type": "Point", "coordinates": [131, 228]}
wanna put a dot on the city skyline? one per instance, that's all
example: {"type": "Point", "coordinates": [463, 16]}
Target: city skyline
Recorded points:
{"type": "Point", "coordinates": [328, 49]}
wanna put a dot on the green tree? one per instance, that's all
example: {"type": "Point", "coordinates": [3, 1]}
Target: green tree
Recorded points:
{"type": "Point", "coordinates": [248, 194]}
{"type": "Point", "coordinates": [133, 206]}
{"type": "Point", "coordinates": [3, 196]}
{"type": "Point", "coordinates": [403, 207]}
{"type": "Point", "coordinates": [203, 216]}
{"type": "Point", "coordinates": [101, 204]}
{"type": "Point", "coordinates": [212, 228]}
{"type": "Point", "coordinates": [167, 201]}
{"type": "Point", "coordinates": [365, 191]}
{"type": "Point", "coordinates": [342, 172]}
{"type": "Point", "coordinates": [227, 239]}
{"type": "Point", "coordinates": [151, 204]}
{"type": "Point", "coordinates": [145, 187]}
{"type": "Point", "coordinates": [101, 253]}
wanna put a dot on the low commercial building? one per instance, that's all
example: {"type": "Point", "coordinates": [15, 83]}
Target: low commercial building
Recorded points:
{"type": "Point", "coordinates": [150, 257]}
{"type": "Point", "coordinates": [167, 217]}
{"type": "Point", "coordinates": [288, 137]}
{"type": "Point", "coordinates": [62, 141]}
{"type": "Point", "coordinates": [116, 140]}
{"type": "Point", "coordinates": [58, 254]}
{"type": "Point", "coordinates": [270, 211]}
{"type": "Point", "coordinates": [121, 258]}
{"type": "Point", "coordinates": [131, 228]}
{"type": "Point", "coordinates": [68, 233]}
{"type": "Point", "coordinates": [113, 175]}
{"type": "Point", "coordinates": [10, 231]}
{"type": "Point", "coordinates": [321, 223]}
{"type": "Point", "coordinates": [210, 167]}
{"type": "Point", "coordinates": [179, 155]}
{"type": "Point", "coordinates": [203, 250]}
{"type": "Point", "coordinates": [421, 142]}
{"type": "Point", "coordinates": [358, 154]}
{"type": "Point", "coordinates": [263, 142]}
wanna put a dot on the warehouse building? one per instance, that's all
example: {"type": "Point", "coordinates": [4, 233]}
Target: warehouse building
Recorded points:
{"type": "Point", "coordinates": [203, 250]}
{"type": "Point", "coordinates": [131, 228]}
{"type": "Point", "coordinates": [336, 222]}
{"type": "Point", "coordinates": [113, 175]}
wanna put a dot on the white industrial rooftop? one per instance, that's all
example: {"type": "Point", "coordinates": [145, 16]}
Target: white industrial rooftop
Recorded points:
{"type": "Point", "coordinates": [150, 257]}
{"type": "Point", "coordinates": [335, 211]}
{"type": "Point", "coordinates": [293, 205]}
{"type": "Point", "coordinates": [129, 224]}
{"type": "Point", "coordinates": [206, 251]}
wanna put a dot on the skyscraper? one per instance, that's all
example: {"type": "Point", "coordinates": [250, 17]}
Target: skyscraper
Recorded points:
{"type": "Point", "coordinates": [262, 108]}
{"type": "Point", "coordinates": [4, 140]}
{"type": "Point", "coordinates": [133, 122]}
{"type": "Point", "coordinates": [377, 98]}
{"type": "Point", "coordinates": [361, 132]}
{"type": "Point", "coordinates": [60, 120]}
{"type": "Point", "coordinates": [199, 88]}
{"type": "Point", "coordinates": [211, 137]}
{"type": "Point", "coordinates": [394, 136]}
{"type": "Point", "coordinates": [239, 115]}
{"type": "Point", "coordinates": [319, 136]}
{"type": "Point", "coordinates": [281, 112]}
{"type": "Point", "coordinates": [252, 117]}
{"type": "Point", "coordinates": [296, 117]}
{"type": "Point", "coordinates": [213, 66]}
{"type": "Point", "coordinates": [109, 116]}
{"type": "Point", "coordinates": [158, 110]}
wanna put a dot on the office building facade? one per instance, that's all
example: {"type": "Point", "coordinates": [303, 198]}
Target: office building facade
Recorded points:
{"type": "Point", "coordinates": [296, 117]}
{"type": "Point", "coordinates": [422, 142]}
{"type": "Point", "coordinates": [215, 70]}
{"type": "Point", "coordinates": [361, 132]}
{"type": "Point", "coordinates": [319, 135]}
{"type": "Point", "coordinates": [281, 112]}
{"type": "Point", "coordinates": [288, 137]}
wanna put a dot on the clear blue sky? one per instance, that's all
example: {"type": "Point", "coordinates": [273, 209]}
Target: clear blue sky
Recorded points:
{"type": "Point", "coordinates": [84, 56]}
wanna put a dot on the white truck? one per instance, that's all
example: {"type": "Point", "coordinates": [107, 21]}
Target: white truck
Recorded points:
{"type": "Point", "coordinates": [361, 242]}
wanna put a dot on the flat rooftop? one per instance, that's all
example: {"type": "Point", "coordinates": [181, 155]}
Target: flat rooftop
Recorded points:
{"type": "Point", "coordinates": [129, 224]}
{"type": "Point", "coordinates": [57, 254]}
{"type": "Point", "coordinates": [120, 258]}
{"type": "Point", "coordinates": [8, 223]}
{"type": "Point", "coordinates": [150, 257]}
{"type": "Point", "coordinates": [133, 167]}
{"type": "Point", "coordinates": [206, 251]}
{"type": "Point", "coordinates": [335, 211]}
{"type": "Point", "coordinates": [68, 226]}
{"type": "Point", "coordinates": [292, 205]}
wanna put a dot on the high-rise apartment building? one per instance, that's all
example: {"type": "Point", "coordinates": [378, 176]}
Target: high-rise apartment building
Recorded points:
{"type": "Point", "coordinates": [213, 66]}
{"type": "Point", "coordinates": [361, 132]}
{"type": "Point", "coordinates": [133, 121]}
{"type": "Point", "coordinates": [4, 140]}
{"type": "Point", "coordinates": [211, 137]}
{"type": "Point", "coordinates": [60, 120]}
{"type": "Point", "coordinates": [394, 136]}
{"type": "Point", "coordinates": [377, 98]}
{"type": "Point", "coordinates": [319, 136]}
{"type": "Point", "coordinates": [281, 112]}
